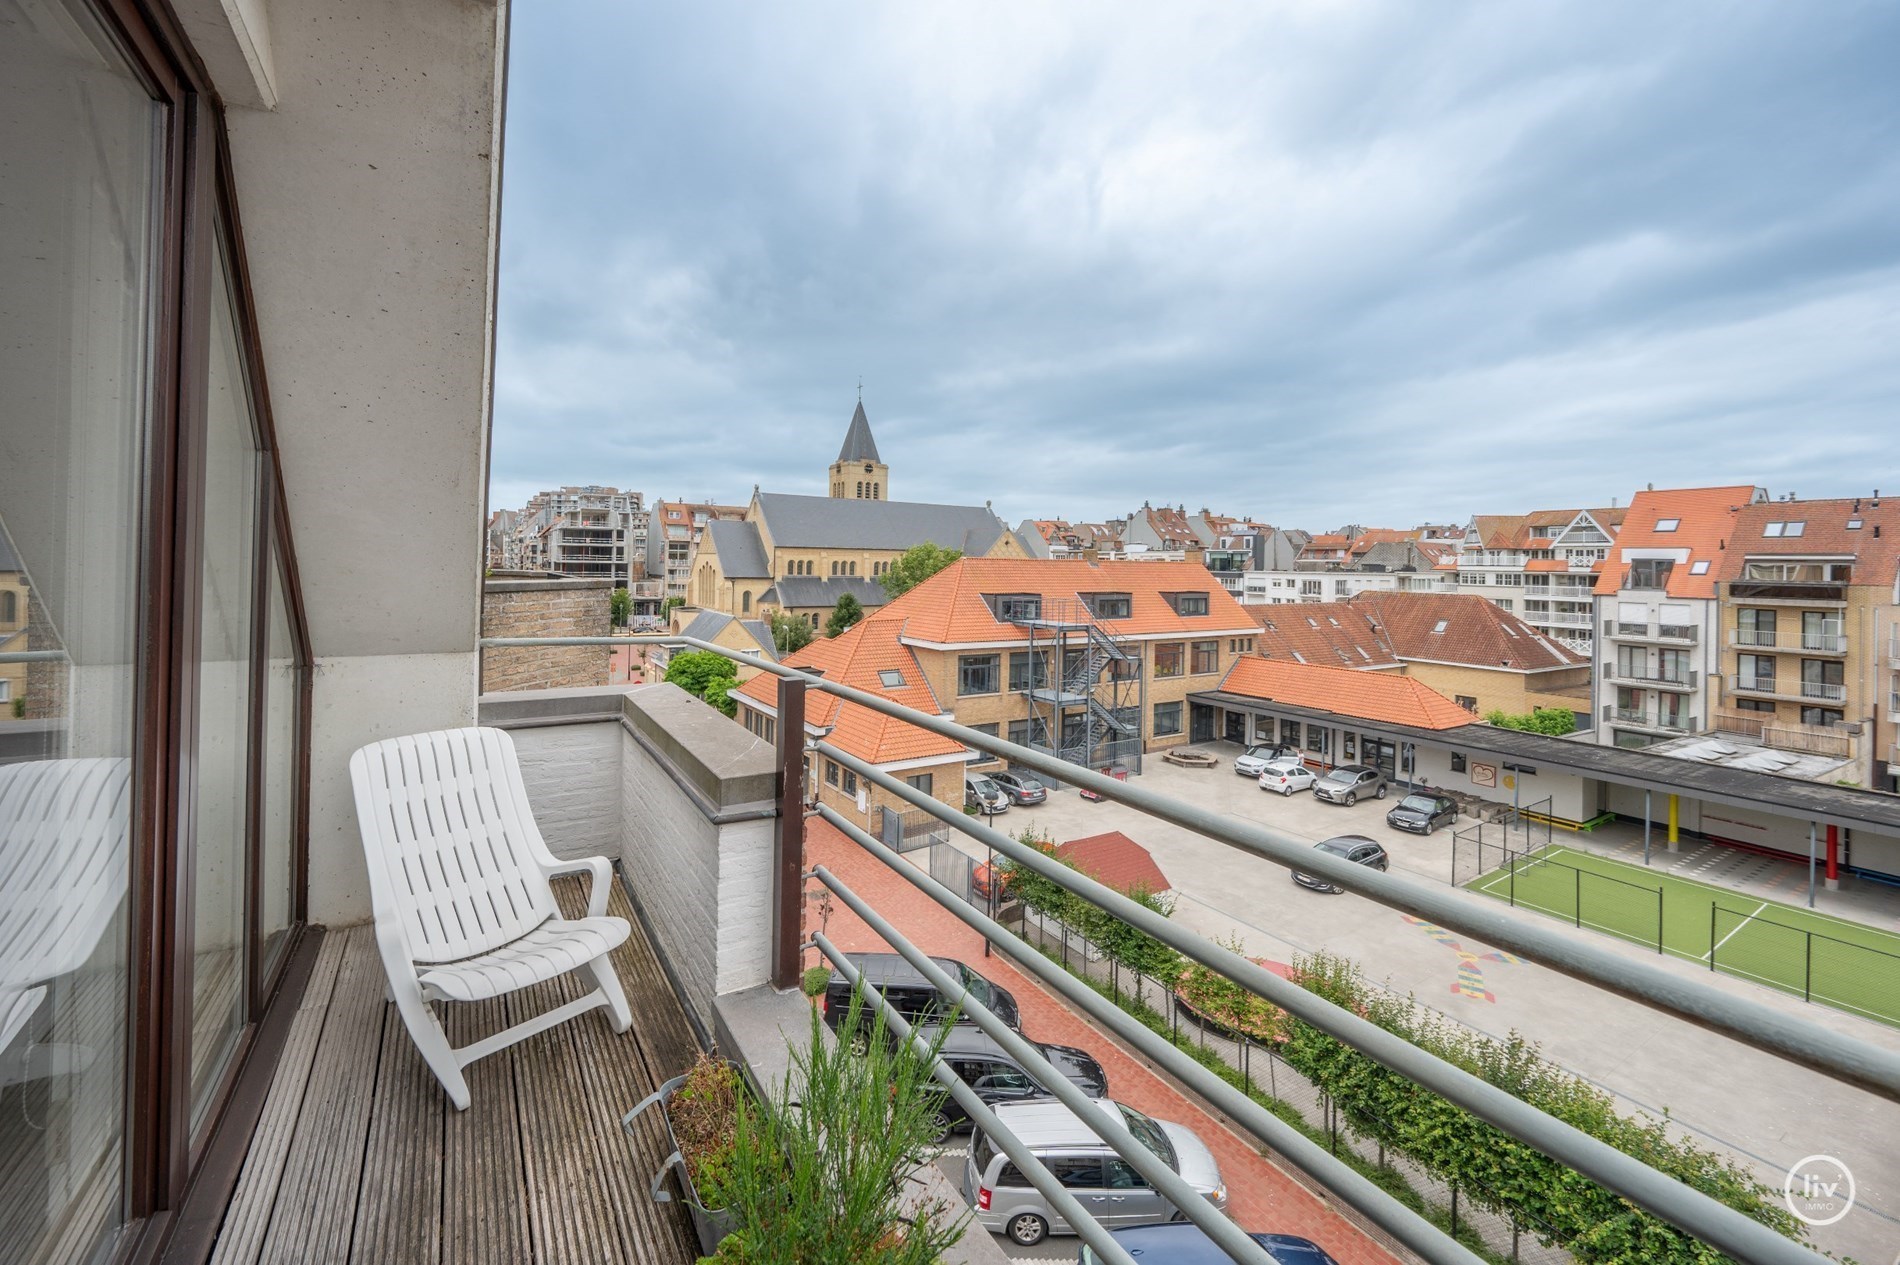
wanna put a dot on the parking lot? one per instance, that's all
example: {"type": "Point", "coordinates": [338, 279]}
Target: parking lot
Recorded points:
{"type": "Point", "coordinates": [1758, 1108]}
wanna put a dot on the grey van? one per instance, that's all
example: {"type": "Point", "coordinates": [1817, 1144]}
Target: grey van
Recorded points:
{"type": "Point", "coordinates": [1104, 1183]}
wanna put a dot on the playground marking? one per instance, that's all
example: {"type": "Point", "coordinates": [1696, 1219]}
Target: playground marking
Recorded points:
{"type": "Point", "coordinates": [1470, 981]}
{"type": "Point", "coordinates": [1731, 935]}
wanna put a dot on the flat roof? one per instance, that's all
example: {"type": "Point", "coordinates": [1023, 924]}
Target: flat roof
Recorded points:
{"type": "Point", "coordinates": [1853, 807]}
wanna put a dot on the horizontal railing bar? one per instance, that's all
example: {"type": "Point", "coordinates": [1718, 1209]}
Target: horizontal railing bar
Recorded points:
{"type": "Point", "coordinates": [32, 656]}
{"type": "Point", "coordinates": [1681, 1205]}
{"type": "Point", "coordinates": [1188, 1201]}
{"type": "Point", "coordinates": [1080, 1219]}
{"type": "Point", "coordinates": [1845, 1058]}
{"type": "Point", "coordinates": [1411, 1229]}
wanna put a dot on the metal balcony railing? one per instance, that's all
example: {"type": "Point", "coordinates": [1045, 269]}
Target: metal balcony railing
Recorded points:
{"type": "Point", "coordinates": [1812, 1049]}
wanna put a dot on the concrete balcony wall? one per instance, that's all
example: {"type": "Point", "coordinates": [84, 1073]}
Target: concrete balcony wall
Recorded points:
{"type": "Point", "coordinates": [681, 796]}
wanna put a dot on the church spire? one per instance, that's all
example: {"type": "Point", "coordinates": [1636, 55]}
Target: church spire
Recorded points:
{"type": "Point", "coordinates": [858, 444]}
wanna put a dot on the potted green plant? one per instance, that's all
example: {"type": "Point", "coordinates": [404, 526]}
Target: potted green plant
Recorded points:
{"type": "Point", "coordinates": [700, 1110]}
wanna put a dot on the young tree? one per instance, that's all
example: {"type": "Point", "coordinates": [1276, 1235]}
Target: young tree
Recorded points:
{"type": "Point", "coordinates": [789, 632]}
{"type": "Point", "coordinates": [705, 676]}
{"type": "Point", "coordinates": [847, 612]}
{"type": "Point", "coordinates": [620, 608]}
{"type": "Point", "coordinates": [668, 606]}
{"type": "Point", "coordinates": [916, 565]}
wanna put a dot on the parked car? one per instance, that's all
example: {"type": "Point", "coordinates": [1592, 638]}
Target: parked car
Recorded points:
{"type": "Point", "coordinates": [1355, 848]}
{"type": "Point", "coordinates": [1349, 783]}
{"type": "Point", "coordinates": [1184, 1243]}
{"type": "Point", "coordinates": [1105, 1183]}
{"type": "Point", "coordinates": [997, 1077]}
{"type": "Point", "coordinates": [1286, 775]}
{"type": "Point", "coordinates": [984, 795]}
{"type": "Point", "coordinates": [1022, 788]}
{"type": "Point", "coordinates": [1250, 762]}
{"type": "Point", "coordinates": [1422, 812]}
{"type": "Point", "coordinates": [909, 993]}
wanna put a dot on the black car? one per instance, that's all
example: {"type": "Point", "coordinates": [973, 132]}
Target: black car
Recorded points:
{"type": "Point", "coordinates": [909, 993]}
{"type": "Point", "coordinates": [1355, 848]}
{"type": "Point", "coordinates": [1022, 788]}
{"type": "Point", "coordinates": [997, 1076]}
{"type": "Point", "coordinates": [1422, 812]}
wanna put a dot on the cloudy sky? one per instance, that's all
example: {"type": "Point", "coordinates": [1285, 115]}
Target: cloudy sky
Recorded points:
{"type": "Point", "coordinates": [1318, 261]}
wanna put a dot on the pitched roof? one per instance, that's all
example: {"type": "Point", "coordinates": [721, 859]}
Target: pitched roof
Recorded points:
{"type": "Point", "coordinates": [709, 624]}
{"type": "Point", "coordinates": [1380, 696]}
{"type": "Point", "coordinates": [857, 657]}
{"type": "Point", "coordinates": [1476, 631]}
{"type": "Point", "coordinates": [1322, 632]}
{"type": "Point", "coordinates": [817, 522]}
{"type": "Point", "coordinates": [801, 591]}
{"type": "Point", "coordinates": [1114, 860]}
{"type": "Point", "coordinates": [1704, 521]}
{"type": "Point", "coordinates": [858, 444]}
{"type": "Point", "coordinates": [1874, 544]}
{"type": "Point", "coordinates": [948, 608]}
{"type": "Point", "coordinates": [740, 551]}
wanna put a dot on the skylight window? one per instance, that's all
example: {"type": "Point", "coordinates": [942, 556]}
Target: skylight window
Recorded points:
{"type": "Point", "coordinates": [1668, 524]}
{"type": "Point", "coordinates": [1311, 622]}
{"type": "Point", "coordinates": [891, 677]}
{"type": "Point", "coordinates": [1793, 527]}
{"type": "Point", "coordinates": [1853, 524]}
{"type": "Point", "coordinates": [1441, 625]}
{"type": "Point", "coordinates": [1332, 621]}
{"type": "Point", "coordinates": [1298, 657]}
{"type": "Point", "coordinates": [1363, 654]}
{"type": "Point", "coordinates": [1699, 568]}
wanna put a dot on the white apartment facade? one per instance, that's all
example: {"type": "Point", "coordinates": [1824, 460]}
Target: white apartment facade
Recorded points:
{"type": "Point", "coordinates": [1541, 567]}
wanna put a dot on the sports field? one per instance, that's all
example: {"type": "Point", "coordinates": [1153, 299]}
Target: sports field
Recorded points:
{"type": "Point", "coordinates": [1822, 958]}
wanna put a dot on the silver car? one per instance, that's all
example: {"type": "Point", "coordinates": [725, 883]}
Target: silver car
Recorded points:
{"type": "Point", "coordinates": [1349, 783]}
{"type": "Point", "coordinates": [1104, 1183]}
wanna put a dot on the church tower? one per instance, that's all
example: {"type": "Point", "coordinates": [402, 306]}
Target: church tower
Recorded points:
{"type": "Point", "coordinates": [858, 474]}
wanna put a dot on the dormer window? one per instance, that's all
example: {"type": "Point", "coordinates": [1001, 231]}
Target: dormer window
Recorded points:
{"type": "Point", "coordinates": [1188, 603]}
{"type": "Point", "coordinates": [1015, 606]}
{"type": "Point", "coordinates": [1109, 605]}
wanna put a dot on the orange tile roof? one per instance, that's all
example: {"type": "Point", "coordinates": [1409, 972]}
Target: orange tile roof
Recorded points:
{"type": "Point", "coordinates": [1475, 631]}
{"type": "Point", "coordinates": [949, 609]}
{"type": "Point", "coordinates": [1380, 696]}
{"type": "Point", "coordinates": [1322, 632]}
{"type": "Point", "coordinates": [1824, 531]}
{"type": "Point", "coordinates": [1706, 520]}
{"type": "Point", "coordinates": [855, 658]}
{"type": "Point", "coordinates": [1114, 860]}
{"type": "Point", "coordinates": [1547, 564]}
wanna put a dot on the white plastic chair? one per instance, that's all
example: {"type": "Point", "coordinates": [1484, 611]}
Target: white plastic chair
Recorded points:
{"type": "Point", "coordinates": [459, 883]}
{"type": "Point", "coordinates": [64, 827]}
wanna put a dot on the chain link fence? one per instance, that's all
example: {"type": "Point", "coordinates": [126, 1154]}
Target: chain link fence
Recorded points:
{"type": "Point", "coordinates": [1488, 859]}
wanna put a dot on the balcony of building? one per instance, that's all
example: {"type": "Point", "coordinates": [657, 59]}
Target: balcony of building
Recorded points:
{"type": "Point", "coordinates": [1786, 688]}
{"type": "Point", "coordinates": [1795, 642]}
{"type": "Point", "coordinates": [1679, 680]}
{"type": "Point", "coordinates": [1651, 720]}
{"type": "Point", "coordinates": [1652, 633]}
{"type": "Point", "coordinates": [1787, 593]}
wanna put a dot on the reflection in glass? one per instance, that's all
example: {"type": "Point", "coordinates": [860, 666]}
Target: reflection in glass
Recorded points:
{"type": "Point", "coordinates": [79, 165]}
{"type": "Point", "coordinates": [283, 674]}
{"type": "Point", "coordinates": [224, 705]}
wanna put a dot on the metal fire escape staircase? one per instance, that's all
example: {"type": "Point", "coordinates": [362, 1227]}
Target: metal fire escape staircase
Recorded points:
{"type": "Point", "coordinates": [1091, 714]}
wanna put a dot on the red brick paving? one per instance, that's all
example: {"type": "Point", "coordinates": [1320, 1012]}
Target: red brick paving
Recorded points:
{"type": "Point", "coordinates": [1261, 1197]}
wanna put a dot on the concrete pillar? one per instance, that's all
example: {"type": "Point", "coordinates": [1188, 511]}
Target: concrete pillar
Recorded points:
{"type": "Point", "coordinates": [1833, 858]}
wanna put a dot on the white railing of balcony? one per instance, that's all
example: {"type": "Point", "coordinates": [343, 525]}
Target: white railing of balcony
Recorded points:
{"type": "Point", "coordinates": [1847, 1058]}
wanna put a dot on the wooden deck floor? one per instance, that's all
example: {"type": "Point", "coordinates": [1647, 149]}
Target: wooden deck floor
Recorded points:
{"type": "Point", "coordinates": [360, 1157]}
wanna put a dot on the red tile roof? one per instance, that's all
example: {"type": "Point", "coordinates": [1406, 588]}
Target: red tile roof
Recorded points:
{"type": "Point", "coordinates": [1874, 544]}
{"type": "Point", "coordinates": [1322, 632]}
{"type": "Point", "coordinates": [948, 608]}
{"type": "Point", "coordinates": [1475, 631]}
{"type": "Point", "coordinates": [1115, 860]}
{"type": "Point", "coordinates": [1705, 521]}
{"type": "Point", "coordinates": [1380, 696]}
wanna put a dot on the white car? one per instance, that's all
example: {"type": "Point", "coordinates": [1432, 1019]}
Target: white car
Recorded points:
{"type": "Point", "coordinates": [1286, 775]}
{"type": "Point", "coordinates": [1250, 762]}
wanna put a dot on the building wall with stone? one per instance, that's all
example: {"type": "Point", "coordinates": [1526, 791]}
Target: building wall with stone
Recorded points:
{"type": "Point", "coordinates": [545, 608]}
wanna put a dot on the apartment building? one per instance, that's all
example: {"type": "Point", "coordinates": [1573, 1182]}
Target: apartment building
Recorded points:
{"type": "Point", "coordinates": [1059, 538]}
{"type": "Point", "coordinates": [1660, 649]}
{"type": "Point", "coordinates": [675, 531]}
{"type": "Point", "coordinates": [1809, 634]}
{"type": "Point", "coordinates": [1093, 661]}
{"type": "Point", "coordinates": [589, 532]}
{"type": "Point", "coordinates": [1542, 566]}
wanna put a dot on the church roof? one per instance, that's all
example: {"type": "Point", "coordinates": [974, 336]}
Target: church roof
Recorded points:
{"type": "Point", "coordinates": [858, 444]}
{"type": "Point", "coordinates": [816, 522]}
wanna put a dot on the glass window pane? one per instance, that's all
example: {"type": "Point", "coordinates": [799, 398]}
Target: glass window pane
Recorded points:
{"type": "Point", "coordinates": [80, 164]}
{"type": "Point", "coordinates": [224, 706]}
{"type": "Point", "coordinates": [283, 675]}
